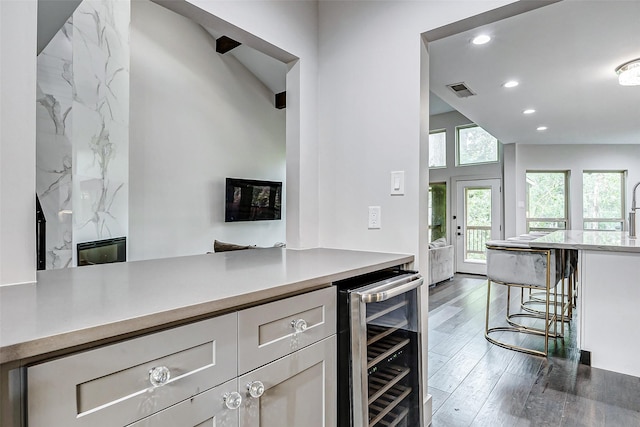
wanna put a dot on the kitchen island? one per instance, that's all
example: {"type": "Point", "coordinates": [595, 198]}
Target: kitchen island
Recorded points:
{"type": "Point", "coordinates": [608, 296]}
{"type": "Point", "coordinates": [112, 312]}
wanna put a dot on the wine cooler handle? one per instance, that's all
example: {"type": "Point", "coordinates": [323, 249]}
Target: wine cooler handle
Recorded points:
{"type": "Point", "coordinates": [390, 290]}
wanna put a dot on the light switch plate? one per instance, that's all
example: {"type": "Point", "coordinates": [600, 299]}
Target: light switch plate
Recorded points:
{"type": "Point", "coordinates": [374, 217]}
{"type": "Point", "coordinates": [397, 183]}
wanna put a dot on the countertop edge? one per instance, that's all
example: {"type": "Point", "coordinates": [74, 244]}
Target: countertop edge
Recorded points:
{"type": "Point", "coordinates": [67, 342]}
{"type": "Point", "coordinates": [589, 240]}
{"type": "Point", "coordinates": [584, 247]}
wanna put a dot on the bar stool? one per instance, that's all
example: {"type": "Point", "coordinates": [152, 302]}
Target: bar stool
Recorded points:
{"type": "Point", "coordinates": [567, 297]}
{"type": "Point", "coordinates": [513, 263]}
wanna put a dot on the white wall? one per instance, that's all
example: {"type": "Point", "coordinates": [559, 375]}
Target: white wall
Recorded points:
{"type": "Point", "coordinates": [293, 27]}
{"type": "Point", "coordinates": [509, 189]}
{"type": "Point", "coordinates": [452, 173]}
{"type": "Point", "coordinates": [197, 117]}
{"type": "Point", "coordinates": [576, 159]}
{"type": "Point", "coordinates": [17, 141]}
{"type": "Point", "coordinates": [370, 116]}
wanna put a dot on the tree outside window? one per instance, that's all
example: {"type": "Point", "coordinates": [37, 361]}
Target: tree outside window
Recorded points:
{"type": "Point", "coordinates": [547, 200]}
{"type": "Point", "coordinates": [603, 200]}
{"type": "Point", "coordinates": [475, 145]}
{"type": "Point", "coordinates": [438, 149]}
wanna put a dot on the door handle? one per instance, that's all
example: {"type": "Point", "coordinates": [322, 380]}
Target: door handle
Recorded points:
{"type": "Point", "coordinates": [387, 290]}
{"type": "Point", "coordinates": [459, 233]}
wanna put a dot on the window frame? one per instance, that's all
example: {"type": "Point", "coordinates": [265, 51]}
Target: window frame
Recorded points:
{"type": "Point", "coordinates": [433, 132]}
{"type": "Point", "coordinates": [623, 185]}
{"type": "Point", "coordinates": [567, 203]}
{"type": "Point", "coordinates": [468, 126]}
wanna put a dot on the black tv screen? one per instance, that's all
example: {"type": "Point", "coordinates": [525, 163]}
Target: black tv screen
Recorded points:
{"type": "Point", "coordinates": [252, 200]}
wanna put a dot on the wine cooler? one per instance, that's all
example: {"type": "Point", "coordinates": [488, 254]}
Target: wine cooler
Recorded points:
{"type": "Point", "coordinates": [379, 350]}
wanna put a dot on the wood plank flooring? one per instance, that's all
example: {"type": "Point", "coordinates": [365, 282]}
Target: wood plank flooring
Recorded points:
{"type": "Point", "coordinates": [475, 383]}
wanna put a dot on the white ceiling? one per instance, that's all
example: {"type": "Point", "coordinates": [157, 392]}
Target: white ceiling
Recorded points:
{"type": "Point", "coordinates": [564, 56]}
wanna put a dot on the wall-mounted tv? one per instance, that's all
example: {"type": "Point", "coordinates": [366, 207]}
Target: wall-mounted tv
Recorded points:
{"type": "Point", "coordinates": [252, 200]}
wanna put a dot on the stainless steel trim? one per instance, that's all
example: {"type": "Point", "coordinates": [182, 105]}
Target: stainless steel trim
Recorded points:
{"type": "Point", "coordinates": [421, 336]}
{"type": "Point", "coordinates": [387, 290]}
{"type": "Point", "coordinates": [359, 385]}
{"type": "Point", "coordinates": [378, 292]}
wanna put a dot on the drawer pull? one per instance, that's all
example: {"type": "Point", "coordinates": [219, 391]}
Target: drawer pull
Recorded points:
{"type": "Point", "coordinates": [299, 325]}
{"type": "Point", "coordinates": [232, 400]}
{"type": "Point", "coordinates": [256, 389]}
{"type": "Point", "coordinates": [159, 375]}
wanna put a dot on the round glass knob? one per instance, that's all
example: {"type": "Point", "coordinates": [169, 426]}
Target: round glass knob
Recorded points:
{"type": "Point", "coordinates": [159, 375]}
{"type": "Point", "coordinates": [299, 325]}
{"type": "Point", "coordinates": [232, 400]}
{"type": "Point", "coordinates": [256, 388]}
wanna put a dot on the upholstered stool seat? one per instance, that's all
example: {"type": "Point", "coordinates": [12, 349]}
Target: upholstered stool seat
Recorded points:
{"type": "Point", "coordinates": [566, 301]}
{"type": "Point", "coordinates": [513, 263]}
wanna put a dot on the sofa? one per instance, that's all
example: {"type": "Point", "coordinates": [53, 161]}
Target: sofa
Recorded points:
{"type": "Point", "coordinates": [440, 261]}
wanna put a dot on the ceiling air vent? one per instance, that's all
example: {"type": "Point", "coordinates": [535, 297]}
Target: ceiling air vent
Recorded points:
{"type": "Point", "coordinates": [461, 90]}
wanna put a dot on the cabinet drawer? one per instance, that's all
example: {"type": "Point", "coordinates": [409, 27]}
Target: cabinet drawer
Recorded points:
{"type": "Point", "coordinates": [267, 332]}
{"type": "Point", "coordinates": [111, 385]}
{"type": "Point", "coordinates": [206, 409]}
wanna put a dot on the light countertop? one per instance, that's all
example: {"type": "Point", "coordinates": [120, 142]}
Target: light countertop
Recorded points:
{"type": "Point", "coordinates": [77, 306]}
{"type": "Point", "coordinates": [614, 241]}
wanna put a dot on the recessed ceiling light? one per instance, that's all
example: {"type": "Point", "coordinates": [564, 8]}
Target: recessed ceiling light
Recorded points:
{"type": "Point", "coordinates": [529, 111]}
{"type": "Point", "coordinates": [541, 128]}
{"type": "Point", "coordinates": [481, 39]}
{"type": "Point", "coordinates": [511, 83]}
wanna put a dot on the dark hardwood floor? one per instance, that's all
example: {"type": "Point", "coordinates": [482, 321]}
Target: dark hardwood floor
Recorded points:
{"type": "Point", "coordinates": [475, 383]}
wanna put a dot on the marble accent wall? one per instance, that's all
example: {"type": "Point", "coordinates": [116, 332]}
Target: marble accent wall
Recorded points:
{"type": "Point", "coordinates": [53, 145]}
{"type": "Point", "coordinates": [83, 129]}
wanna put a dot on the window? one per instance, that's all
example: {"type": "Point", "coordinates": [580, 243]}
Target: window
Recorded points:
{"type": "Point", "coordinates": [547, 201]}
{"type": "Point", "coordinates": [475, 145]}
{"type": "Point", "coordinates": [438, 149]}
{"type": "Point", "coordinates": [603, 200]}
{"type": "Point", "coordinates": [437, 211]}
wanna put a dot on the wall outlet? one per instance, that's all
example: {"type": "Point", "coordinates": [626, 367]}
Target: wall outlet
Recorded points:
{"type": "Point", "coordinates": [374, 217]}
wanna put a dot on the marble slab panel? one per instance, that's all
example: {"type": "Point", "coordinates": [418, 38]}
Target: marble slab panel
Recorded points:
{"type": "Point", "coordinates": [83, 129]}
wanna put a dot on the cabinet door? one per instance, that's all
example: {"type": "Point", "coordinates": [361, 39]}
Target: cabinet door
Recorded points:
{"type": "Point", "coordinates": [299, 390]}
{"type": "Point", "coordinates": [207, 409]}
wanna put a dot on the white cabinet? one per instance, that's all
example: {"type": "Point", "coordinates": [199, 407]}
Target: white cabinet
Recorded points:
{"type": "Point", "coordinates": [181, 376]}
{"type": "Point", "coordinates": [299, 390]}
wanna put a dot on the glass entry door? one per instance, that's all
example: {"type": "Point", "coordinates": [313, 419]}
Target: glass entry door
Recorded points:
{"type": "Point", "coordinates": [477, 221]}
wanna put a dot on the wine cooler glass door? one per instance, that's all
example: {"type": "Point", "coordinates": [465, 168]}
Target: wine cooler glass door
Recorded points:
{"type": "Point", "coordinates": [386, 347]}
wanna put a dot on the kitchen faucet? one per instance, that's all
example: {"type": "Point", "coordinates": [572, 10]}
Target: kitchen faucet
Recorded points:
{"type": "Point", "coordinates": [632, 214]}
